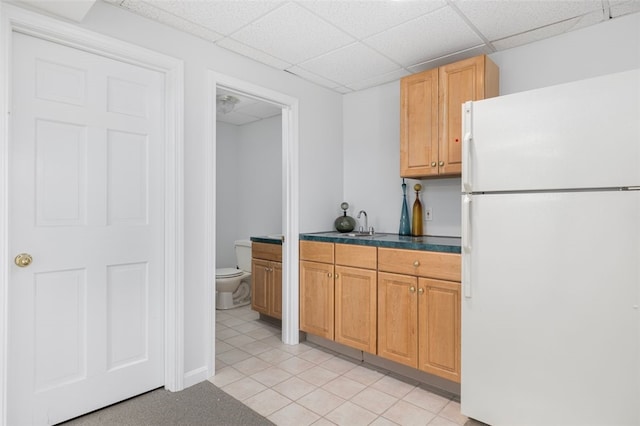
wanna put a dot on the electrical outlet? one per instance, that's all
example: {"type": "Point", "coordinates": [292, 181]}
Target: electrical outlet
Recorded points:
{"type": "Point", "coordinates": [428, 214]}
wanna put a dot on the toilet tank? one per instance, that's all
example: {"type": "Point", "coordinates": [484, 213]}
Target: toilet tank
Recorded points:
{"type": "Point", "coordinates": [243, 254]}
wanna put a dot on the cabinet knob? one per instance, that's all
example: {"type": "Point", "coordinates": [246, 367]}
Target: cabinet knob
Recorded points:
{"type": "Point", "coordinates": [337, 276]}
{"type": "Point", "coordinates": [433, 164]}
{"type": "Point", "coordinates": [329, 274]}
{"type": "Point", "coordinates": [416, 263]}
{"type": "Point", "coordinates": [441, 163]}
{"type": "Point", "coordinates": [412, 289]}
{"type": "Point", "coordinates": [457, 140]}
{"type": "Point", "coordinates": [420, 290]}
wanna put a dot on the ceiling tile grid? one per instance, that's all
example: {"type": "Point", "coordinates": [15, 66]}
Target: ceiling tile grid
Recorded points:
{"type": "Point", "coordinates": [293, 34]}
{"type": "Point", "coordinates": [350, 45]}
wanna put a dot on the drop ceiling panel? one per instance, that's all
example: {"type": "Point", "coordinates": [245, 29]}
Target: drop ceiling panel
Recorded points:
{"type": "Point", "coordinates": [350, 64]}
{"type": "Point", "coordinates": [293, 34]}
{"type": "Point", "coordinates": [150, 11]}
{"type": "Point", "coordinates": [223, 16]}
{"type": "Point", "coordinates": [437, 34]}
{"type": "Point", "coordinates": [347, 45]}
{"type": "Point", "coordinates": [499, 19]}
{"type": "Point", "coordinates": [365, 18]}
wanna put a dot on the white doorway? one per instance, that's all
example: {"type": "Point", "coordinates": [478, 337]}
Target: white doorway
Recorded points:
{"type": "Point", "coordinates": [290, 197]}
{"type": "Point", "coordinates": [89, 189]}
{"type": "Point", "coordinates": [248, 172]}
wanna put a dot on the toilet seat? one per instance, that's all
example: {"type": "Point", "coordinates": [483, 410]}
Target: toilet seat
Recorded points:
{"type": "Point", "coordinates": [228, 272]}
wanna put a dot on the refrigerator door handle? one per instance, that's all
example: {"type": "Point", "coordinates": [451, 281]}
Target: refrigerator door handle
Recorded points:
{"type": "Point", "coordinates": [467, 110]}
{"type": "Point", "coordinates": [466, 246]}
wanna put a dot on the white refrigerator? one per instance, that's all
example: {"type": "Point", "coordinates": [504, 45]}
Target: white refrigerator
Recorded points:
{"type": "Point", "coordinates": [551, 255]}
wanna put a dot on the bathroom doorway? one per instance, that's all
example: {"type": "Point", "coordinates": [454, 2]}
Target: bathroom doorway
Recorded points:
{"type": "Point", "coordinates": [253, 172]}
{"type": "Point", "coordinates": [248, 171]}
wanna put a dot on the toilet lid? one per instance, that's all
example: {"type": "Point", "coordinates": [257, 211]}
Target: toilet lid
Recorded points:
{"type": "Point", "coordinates": [228, 272]}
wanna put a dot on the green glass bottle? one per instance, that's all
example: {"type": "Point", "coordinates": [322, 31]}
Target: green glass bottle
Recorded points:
{"type": "Point", "coordinates": [405, 226]}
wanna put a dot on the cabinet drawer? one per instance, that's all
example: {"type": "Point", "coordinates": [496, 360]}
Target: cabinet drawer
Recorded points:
{"type": "Point", "coordinates": [315, 251]}
{"type": "Point", "coordinates": [444, 266]}
{"type": "Point", "coordinates": [266, 251]}
{"type": "Point", "coordinates": [356, 256]}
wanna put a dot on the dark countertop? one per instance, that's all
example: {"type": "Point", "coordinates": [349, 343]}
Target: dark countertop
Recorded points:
{"type": "Point", "coordinates": [269, 239]}
{"type": "Point", "coordinates": [426, 242]}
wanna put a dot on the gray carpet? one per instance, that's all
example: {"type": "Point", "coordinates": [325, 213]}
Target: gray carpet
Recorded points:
{"type": "Point", "coordinates": [202, 404]}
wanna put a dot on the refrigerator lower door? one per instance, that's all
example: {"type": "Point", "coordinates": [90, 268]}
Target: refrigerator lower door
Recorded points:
{"type": "Point", "coordinates": [550, 317]}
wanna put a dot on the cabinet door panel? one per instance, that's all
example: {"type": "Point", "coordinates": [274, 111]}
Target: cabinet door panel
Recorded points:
{"type": "Point", "coordinates": [459, 82]}
{"type": "Point", "coordinates": [276, 290]}
{"type": "Point", "coordinates": [398, 318]}
{"type": "Point", "coordinates": [316, 298]}
{"type": "Point", "coordinates": [260, 285]}
{"type": "Point", "coordinates": [439, 329]}
{"type": "Point", "coordinates": [419, 124]}
{"type": "Point", "coordinates": [355, 305]}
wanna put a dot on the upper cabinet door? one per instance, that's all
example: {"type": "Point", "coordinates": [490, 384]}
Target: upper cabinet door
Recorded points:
{"type": "Point", "coordinates": [469, 80]}
{"type": "Point", "coordinates": [419, 124]}
{"type": "Point", "coordinates": [459, 82]}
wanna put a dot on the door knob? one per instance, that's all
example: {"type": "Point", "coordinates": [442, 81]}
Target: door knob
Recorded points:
{"type": "Point", "coordinates": [23, 260]}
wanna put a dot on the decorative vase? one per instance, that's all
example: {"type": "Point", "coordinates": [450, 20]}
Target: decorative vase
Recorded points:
{"type": "Point", "coordinates": [344, 223]}
{"type": "Point", "coordinates": [416, 229]}
{"type": "Point", "coordinates": [405, 227]}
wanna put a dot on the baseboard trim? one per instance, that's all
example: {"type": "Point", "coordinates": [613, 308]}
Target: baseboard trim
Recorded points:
{"type": "Point", "coordinates": [194, 377]}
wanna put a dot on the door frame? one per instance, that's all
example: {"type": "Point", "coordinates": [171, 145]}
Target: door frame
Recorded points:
{"type": "Point", "coordinates": [290, 192]}
{"type": "Point", "coordinates": [15, 19]}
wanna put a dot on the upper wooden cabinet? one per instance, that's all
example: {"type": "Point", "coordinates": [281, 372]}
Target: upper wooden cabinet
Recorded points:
{"type": "Point", "coordinates": [431, 114]}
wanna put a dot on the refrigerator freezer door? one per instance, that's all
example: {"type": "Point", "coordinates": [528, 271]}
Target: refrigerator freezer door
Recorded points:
{"type": "Point", "coordinates": [551, 324]}
{"type": "Point", "coordinates": [584, 134]}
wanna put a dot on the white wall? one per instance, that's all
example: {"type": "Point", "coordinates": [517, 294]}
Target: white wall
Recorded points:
{"type": "Point", "coordinates": [260, 178]}
{"type": "Point", "coordinates": [227, 140]}
{"type": "Point", "coordinates": [320, 137]}
{"type": "Point", "coordinates": [248, 184]}
{"type": "Point", "coordinates": [372, 119]}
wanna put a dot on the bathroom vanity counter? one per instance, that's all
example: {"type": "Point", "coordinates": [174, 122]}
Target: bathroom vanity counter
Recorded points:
{"type": "Point", "coordinates": [268, 239]}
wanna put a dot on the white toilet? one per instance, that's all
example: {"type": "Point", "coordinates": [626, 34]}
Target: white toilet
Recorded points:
{"type": "Point", "coordinates": [233, 285]}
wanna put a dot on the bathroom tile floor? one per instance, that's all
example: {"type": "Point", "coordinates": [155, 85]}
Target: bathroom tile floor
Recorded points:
{"type": "Point", "coordinates": [309, 385]}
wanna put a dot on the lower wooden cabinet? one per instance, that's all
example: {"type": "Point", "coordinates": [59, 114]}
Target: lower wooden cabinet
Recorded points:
{"type": "Point", "coordinates": [355, 308]}
{"type": "Point", "coordinates": [316, 298]}
{"type": "Point", "coordinates": [419, 317]}
{"type": "Point", "coordinates": [338, 293]}
{"type": "Point", "coordinates": [403, 305]}
{"type": "Point", "coordinates": [439, 328]}
{"type": "Point", "coordinates": [398, 318]}
{"type": "Point", "coordinates": [419, 323]}
{"type": "Point", "coordinates": [266, 279]}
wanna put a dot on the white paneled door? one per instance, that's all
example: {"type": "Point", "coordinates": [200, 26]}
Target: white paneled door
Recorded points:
{"type": "Point", "coordinates": [86, 203]}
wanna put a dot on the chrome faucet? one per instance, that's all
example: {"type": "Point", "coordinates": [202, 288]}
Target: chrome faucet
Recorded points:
{"type": "Point", "coordinates": [366, 222]}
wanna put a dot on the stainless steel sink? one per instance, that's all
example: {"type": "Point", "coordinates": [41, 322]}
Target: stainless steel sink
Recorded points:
{"type": "Point", "coordinates": [359, 234]}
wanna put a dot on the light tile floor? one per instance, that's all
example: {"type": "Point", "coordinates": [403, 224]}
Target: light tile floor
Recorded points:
{"type": "Point", "coordinates": [309, 385]}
